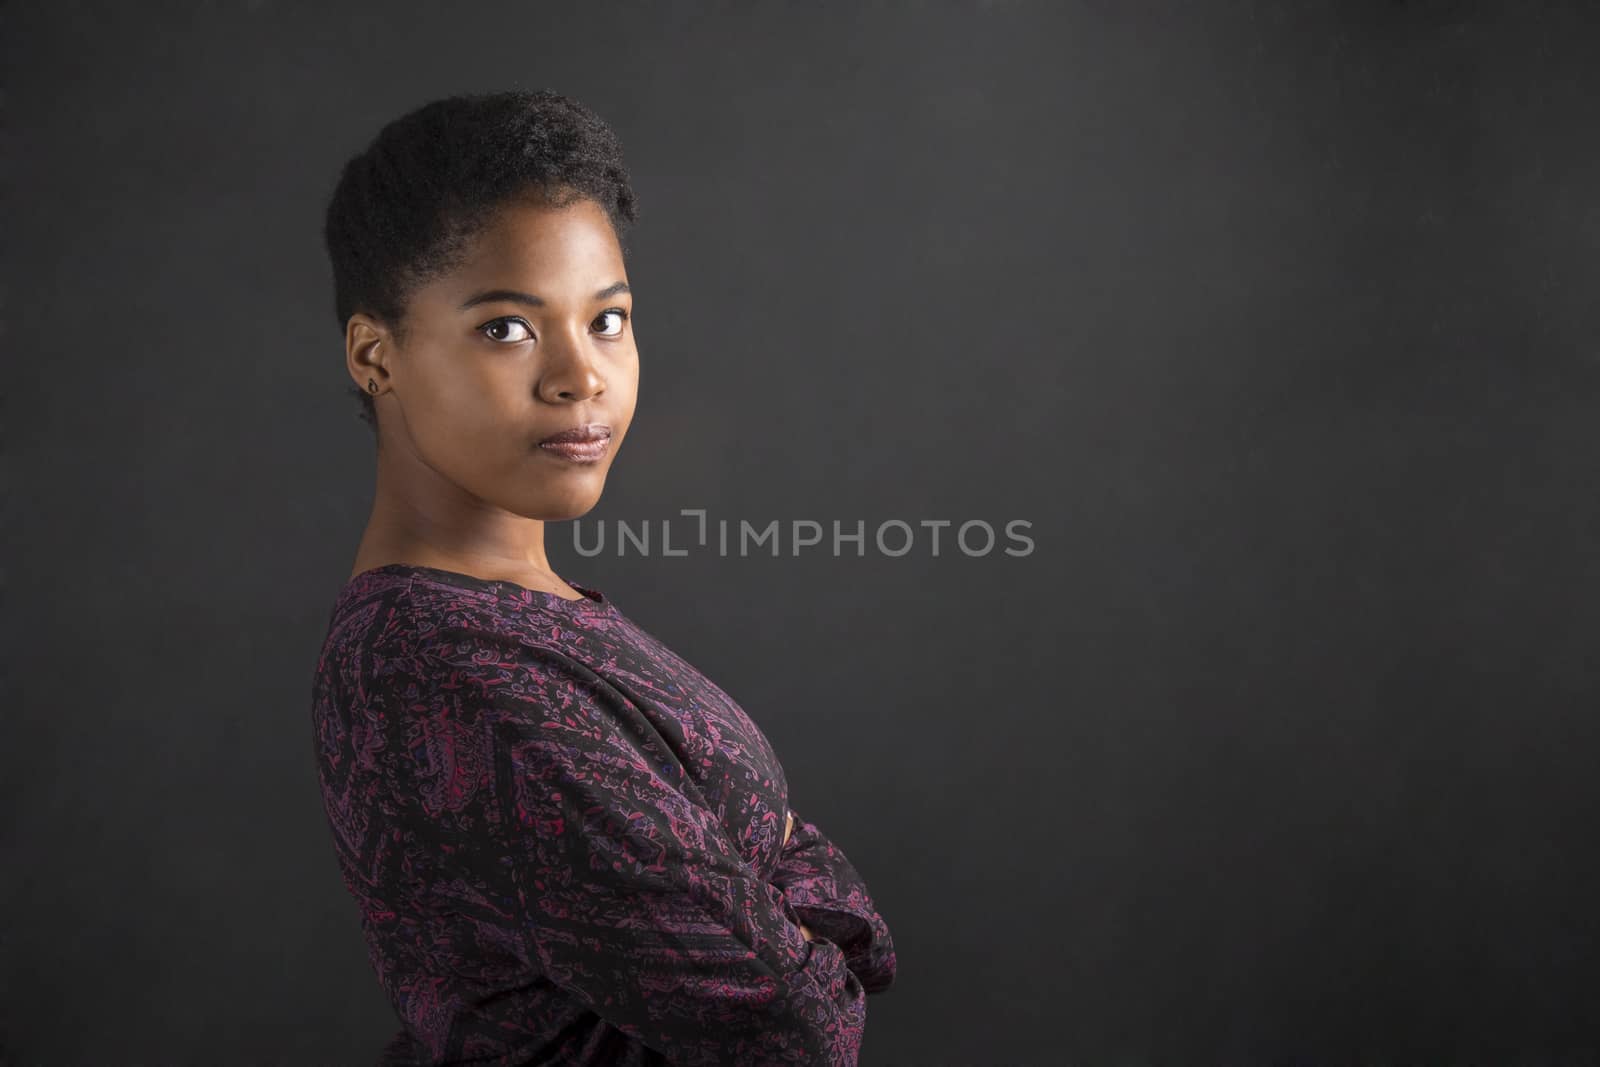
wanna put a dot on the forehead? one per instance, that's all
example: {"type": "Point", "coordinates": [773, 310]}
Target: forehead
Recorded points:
{"type": "Point", "coordinates": [559, 247]}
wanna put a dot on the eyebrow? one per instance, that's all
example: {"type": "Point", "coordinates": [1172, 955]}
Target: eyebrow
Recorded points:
{"type": "Point", "coordinates": [517, 296]}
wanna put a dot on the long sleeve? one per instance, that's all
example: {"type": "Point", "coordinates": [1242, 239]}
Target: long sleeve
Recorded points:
{"type": "Point", "coordinates": [831, 898]}
{"type": "Point", "coordinates": [626, 890]}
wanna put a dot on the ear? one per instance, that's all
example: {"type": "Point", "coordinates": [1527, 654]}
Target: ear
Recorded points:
{"type": "Point", "coordinates": [364, 353]}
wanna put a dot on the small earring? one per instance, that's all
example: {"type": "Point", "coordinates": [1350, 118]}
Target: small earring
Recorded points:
{"type": "Point", "coordinates": [372, 387]}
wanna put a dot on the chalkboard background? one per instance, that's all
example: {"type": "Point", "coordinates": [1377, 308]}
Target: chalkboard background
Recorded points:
{"type": "Point", "coordinates": [1275, 322]}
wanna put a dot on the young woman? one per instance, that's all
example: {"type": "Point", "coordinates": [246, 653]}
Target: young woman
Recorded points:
{"type": "Point", "coordinates": [567, 845]}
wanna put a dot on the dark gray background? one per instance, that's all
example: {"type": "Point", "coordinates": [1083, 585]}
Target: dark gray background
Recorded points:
{"type": "Point", "coordinates": [1277, 322]}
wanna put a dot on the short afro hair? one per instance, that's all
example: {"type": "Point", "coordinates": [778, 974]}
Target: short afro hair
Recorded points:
{"type": "Point", "coordinates": [406, 207]}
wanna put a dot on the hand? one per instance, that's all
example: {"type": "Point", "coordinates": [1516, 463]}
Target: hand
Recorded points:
{"type": "Point", "coordinates": [788, 828]}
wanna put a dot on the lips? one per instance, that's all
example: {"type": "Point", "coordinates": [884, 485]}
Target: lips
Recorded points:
{"type": "Point", "coordinates": [580, 444]}
{"type": "Point", "coordinates": [588, 434]}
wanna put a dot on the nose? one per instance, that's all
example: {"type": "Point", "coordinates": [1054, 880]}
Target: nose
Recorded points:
{"type": "Point", "coordinates": [569, 373]}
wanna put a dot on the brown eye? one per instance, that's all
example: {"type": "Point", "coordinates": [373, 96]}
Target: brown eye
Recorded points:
{"type": "Point", "coordinates": [505, 330]}
{"type": "Point", "coordinates": [622, 318]}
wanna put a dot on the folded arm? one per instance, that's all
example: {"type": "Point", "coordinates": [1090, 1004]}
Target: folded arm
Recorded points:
{"type": "Point", "coordinates": [630, 894]}
{"type": "Point", "coordinates": [829, 895]}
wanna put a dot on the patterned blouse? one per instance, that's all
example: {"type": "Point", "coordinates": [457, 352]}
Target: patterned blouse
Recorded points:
{"type": "Point", "coordinates": [566, 843]}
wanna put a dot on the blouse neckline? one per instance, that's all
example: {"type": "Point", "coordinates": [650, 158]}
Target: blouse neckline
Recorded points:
{"type": "Point", "coordinates": [592, 602]}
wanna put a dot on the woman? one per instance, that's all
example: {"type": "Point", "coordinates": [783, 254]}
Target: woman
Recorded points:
{"type": "Point", "coordinates": [567, 845]}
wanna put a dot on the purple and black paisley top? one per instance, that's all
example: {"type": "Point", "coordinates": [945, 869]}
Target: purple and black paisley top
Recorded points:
{"type": "Point", "coordinates": [566, 843]}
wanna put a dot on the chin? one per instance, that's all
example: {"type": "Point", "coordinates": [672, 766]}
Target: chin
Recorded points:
{"type": "Point", "coordinates": [563, 508]}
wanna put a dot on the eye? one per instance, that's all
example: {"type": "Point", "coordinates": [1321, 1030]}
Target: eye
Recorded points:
{"type": "Point", "coordinates": [505, 322]}
{"type": "Point", "coordinates": [622, 318]}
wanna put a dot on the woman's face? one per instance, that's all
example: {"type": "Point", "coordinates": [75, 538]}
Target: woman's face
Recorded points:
{"type": "Point", "coordinates": [531, 335]}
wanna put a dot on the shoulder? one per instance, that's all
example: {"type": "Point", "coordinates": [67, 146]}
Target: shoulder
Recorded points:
{"type": "Point", "coordinates": [368, 611]}
{"type": "Point", "coordinates": [412, 656]}
{"type": "Point", "coordinates": [434, 646]}
{"type": "Point", "coordinates": [388, 618]}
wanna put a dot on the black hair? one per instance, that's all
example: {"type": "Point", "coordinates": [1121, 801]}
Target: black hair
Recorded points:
{"type": "Point", "coordinates": [406, 206]}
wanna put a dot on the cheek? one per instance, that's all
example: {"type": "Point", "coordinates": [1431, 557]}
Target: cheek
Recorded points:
{"type": "Point", "coordinates": [475, 404]}
{"type": "Point", "coordinates": [627, 385]}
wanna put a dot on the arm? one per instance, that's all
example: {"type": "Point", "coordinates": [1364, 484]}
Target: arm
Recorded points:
{"type": "Point", "coordinates": [831, 898]}
{"type": "Point", "coordinates": [630, 895]}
